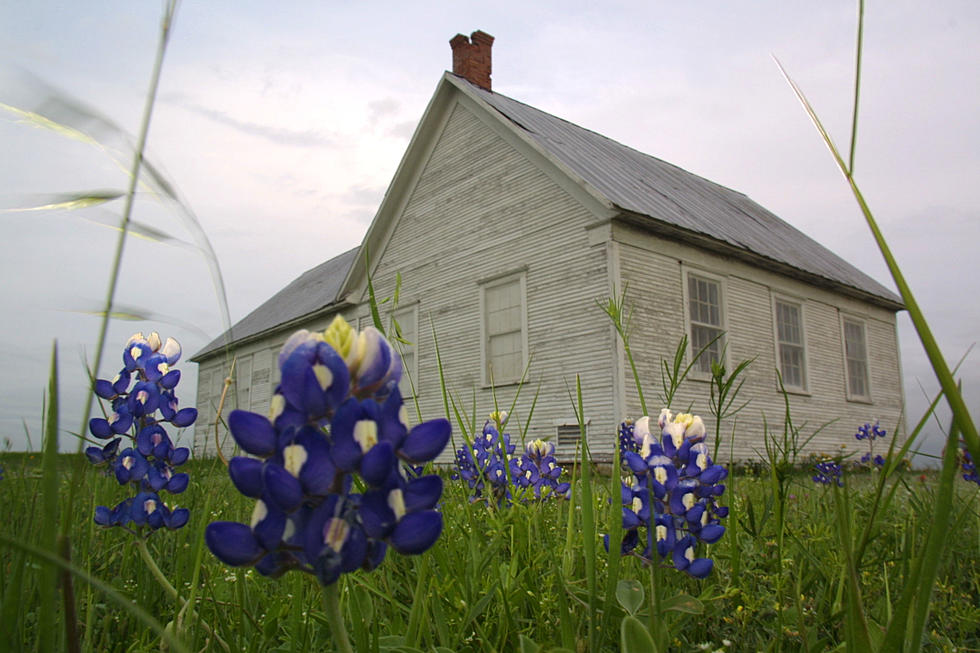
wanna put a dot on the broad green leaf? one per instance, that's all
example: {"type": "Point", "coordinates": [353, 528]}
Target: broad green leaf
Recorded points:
{"type": "Point", "coordinates": [683, 603]}
{"type": "Point", "coordinates": [634, 638]}
{"type": "Point", "coordinates": [527, 645]}
{"type": "Point", "coordinates": [364, 602]}
{"type": "Point", "coordinates": [629, 593]}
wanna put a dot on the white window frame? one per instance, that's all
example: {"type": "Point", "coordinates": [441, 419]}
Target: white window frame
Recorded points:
{"type": "Point", "coordinates": [243, 382]}
{"type": "Point", "coordinates": [800, 304]}
{"type": "Point", "coordinates": [407, 315]}
{"type": "Point", "coordinates": [519, 276]}
{"type": "Point", "coordinates": [852, 396]}
{"type": "Point", "coordinates": [696, 371]}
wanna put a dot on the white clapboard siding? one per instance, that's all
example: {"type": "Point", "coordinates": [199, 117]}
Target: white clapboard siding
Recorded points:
{"type": "Point", "coordinates": [653, 269]}
{"type": "Point", "coordinates": [480, 205]}
{"type": "Point", "coordinates": [480, 210]}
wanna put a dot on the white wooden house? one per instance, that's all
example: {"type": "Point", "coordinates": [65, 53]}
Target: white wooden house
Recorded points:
{"type": "Point", "coordinates": [506, 225]}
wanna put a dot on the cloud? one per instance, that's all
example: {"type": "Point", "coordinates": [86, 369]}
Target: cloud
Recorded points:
{"type": "Point", "coordinates": [277, 135]}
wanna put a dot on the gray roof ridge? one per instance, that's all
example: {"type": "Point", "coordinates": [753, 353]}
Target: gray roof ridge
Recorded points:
{"type": "Point", "coordinates": [529, 129]}
{"type": "Point", "coordinates": [640, 183]}
{"type": "Point", "coordinates": [274, 312]}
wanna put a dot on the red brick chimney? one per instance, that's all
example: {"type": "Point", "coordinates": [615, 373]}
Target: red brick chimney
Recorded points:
{"type": "Point", "coordinates": [471, 57]}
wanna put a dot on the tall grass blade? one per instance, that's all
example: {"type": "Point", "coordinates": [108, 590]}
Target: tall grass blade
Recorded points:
{"type": "Point", "coordinates": [69, 201]}
{"type": "Point", "coordinates": [124, 603]}
{"type": "Point", "coordinates": [614, 555]}
{"type": "Point", "coordinates": [49, 525]}
{"type": "Point", "coordinates": [936, 359]}
{"type": "Point", "coordinates": [857, 86]}
{"type": "Point", "coordinates": [588, 516]}
{"type": "Point", "coordinates": [918, 590]}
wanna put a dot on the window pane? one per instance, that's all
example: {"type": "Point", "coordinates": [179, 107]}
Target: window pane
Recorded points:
{"type": "Point", "coordinates": [788, 323]}
{"type": "Point", "coordinates": [857, 383]}
{"type": "Point", "coordinates": [789, 334]}
{"type": "Point", "coordinates": [701, 336]}
{"type": "Point", "coordinates": [408, 329]}
{"type": "Point", "coordinates": [856, 354]}
{"type": "Point", "coordinates": [791, 365]}
{"type": "Point", "coordinates": [504, 329]}
{"type": "Point", "coordinates": [704, 299]}
{"type": "Point", "coordinates": [408, 367]}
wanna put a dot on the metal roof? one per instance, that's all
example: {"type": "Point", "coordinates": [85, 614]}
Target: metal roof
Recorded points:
{"type": "Point", "coordinates": [644, 185]}
{"type": "Point", "coordinates": [312, 291]}
{"type": "Point", "coordinates": [648, 190]}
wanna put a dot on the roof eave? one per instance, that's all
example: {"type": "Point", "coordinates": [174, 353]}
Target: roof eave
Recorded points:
{"type": "Point", "coordinates": [332, 307]}
{"type": "Point", "coordinates": [673, 232]}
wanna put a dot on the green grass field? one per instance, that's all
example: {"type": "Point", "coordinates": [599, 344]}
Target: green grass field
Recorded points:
{"type": "Point", "coordinates": [497, 577]}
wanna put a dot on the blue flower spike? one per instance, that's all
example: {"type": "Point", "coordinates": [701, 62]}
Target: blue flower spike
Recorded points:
{"type": "Point", "coordinates": [142, 403]}
{"type": "Point", "coordinates": [328, 466]}
{"type": "Point", "coordinates": [870, 433]}
{"type": "Point", "coordinates": [671, 490]}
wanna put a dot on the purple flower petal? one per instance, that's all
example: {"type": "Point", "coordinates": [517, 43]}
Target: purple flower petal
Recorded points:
{"type": "Point", "coordinates": [378, 463]}
{"type": "Point", "coordinates": [252, 432]}
{"type": "Point", "coordinates": [700, 567]}
{"type": "Point", "coordinates": [100, 428]}
{"type": "Point", "coordinates": [426, 441]}
{"type": "Point", "coordinates": [184, 417]}
{"type": "Point", "coordinates": [422, 493]}
{"type": "Point", "coordinates": [178, 518]}
{"type": "Point", "coordinates": [282, 487]}
{"type": "Point", "coordinates": [246, 474]}
{"type": "Point", "coordinates": [232, 543]}
{"type": "Point", "coordinates": [416, 532]}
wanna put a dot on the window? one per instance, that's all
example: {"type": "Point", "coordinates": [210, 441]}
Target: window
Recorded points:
{"type": "Point", "coordinates": [856, 359]}
{"type": "Point", "coordinates": [704, 297]}
{"type": "Point", "coordinates": [504, 329]}
{"type": "Point", "coordinates": [790, 344]}
{"type": "Point", "coordinates": [243, 372]}
{"type": "Point", "coordinates": [408, 328]}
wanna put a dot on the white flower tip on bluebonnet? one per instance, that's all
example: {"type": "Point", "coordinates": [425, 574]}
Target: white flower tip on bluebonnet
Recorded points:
{"type": "Point", "coordinates": [294, 456]}
{"type": "Point", "coordinates": [276, 407]}
{"type": "Point", "coordinates": [499, 417]}
{"type": "Point", "coordinates": [641, 429]}
{"type": "Point", "coordinates": [342, 337]}
{"type": "Point", "coordinates": [374, 361]}
{"type": "Point", "coordinates": [366, 434]}
{"type": "Point", "coordinates": [170, 350]}
{"type": "Point", "coordinates": [665, 418]}
{"type": "Point", "coordinates": [675, 431]}
{"type": "Point", "coordinates": [153, 340]}
{"type": "Point", "coordinates": [259, 512]}
{"type": "Point", "coordinates": [695, 429]}
{"type": "Point", "coordinates": [540, 448]}
{"type": "Point", "coordinates": [294, 341]}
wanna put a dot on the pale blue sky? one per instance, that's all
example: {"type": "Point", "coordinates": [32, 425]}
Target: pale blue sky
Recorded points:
{"type": "Point", "coordinates": [282, 126]}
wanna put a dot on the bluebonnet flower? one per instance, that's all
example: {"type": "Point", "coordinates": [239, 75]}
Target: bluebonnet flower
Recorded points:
{"type": "Point", "coordinates": [627, 439]}
{"type": "Point", "coordinates": [871, 432]}
{"type": "Point", "coordinates": [336, 415]}
{"type": "Point", "coordinates": [672, 492]}
{"type": "Point", "coordinates": [142, 402]}
{"type": "Point", "coordinates": [969, 467]}
{"type": "Point", "coordinates": [538, 469]}
{"type": "Point", "coordinates": [485, 465]}
{"type": "Point", "coordinates": [827, 472]}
